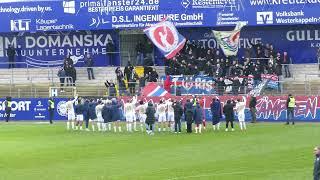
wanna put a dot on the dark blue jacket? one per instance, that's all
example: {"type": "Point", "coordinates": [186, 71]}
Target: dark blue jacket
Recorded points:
{"type": "Point", "coordinates": [79, 109]}
{"type": "Point", "coordinates": [115, 111]}
{"type": "Point", "coordinates": [106, 113]}
{"type": "Point", "coordinates": [188, 112]}
{"type": "Point", "coordinates": [92, 111]}
{"type": "Point", "coordinates": [198, 114]}
{"type": "Point", "coordinates": [150, 111]}
{"type": "Point", "coordinates": [216, 111]}
{"type": "Point", "coordinates": [86, 110]}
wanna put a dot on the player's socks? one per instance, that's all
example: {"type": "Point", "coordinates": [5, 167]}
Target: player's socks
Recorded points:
{"type": "Point", "coordinates": [104, 126]}
{"type": "Point", "coordinates": [119, 129]}
{"type": "Point", "coordinates": [76, 128]}
{"type": "Point", "coordinates": [99, 126]}
{"type": "Point", "coordinates": [164, 129]}
{"type": "Point", "coordinates": [240, 123]}
{"type": "Point", "coordinates": [227, 129]}
{"type": "Point", "coordinates": [115, 129]}
{"type": "Point", "coordinates": [81, 128]}
{"type": "Point", "coordinates": [72, 125]}
{"type": "Point", "coordinates": [109, 126]}
{"type": "Point", "coordinates": [200, 126]}
{"type": "Point", "coordinates": [214, 127]}
{"type": "Point", "coordinates": [232, 129]}
{"type": "Point", "coordinates": [68, 125]}
{"type": "Point", "coordinates": [159, 129]}
{"type": "Point", "coordinates": [127, 125]}
{"type": "Point", "coordinates": [93, 128]}
{"type": "Point", "coordinates": [244, 125]}
{"type": "Point", "coordinates": [218, 126]}
{"type": "Point", "coordinates": [196, 130]}
{"type": "Point", "coordinates": [135, 126]}
{"type": "Point", "coordinates": [141, 127]}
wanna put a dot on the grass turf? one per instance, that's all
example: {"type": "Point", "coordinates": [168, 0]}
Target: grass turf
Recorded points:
{"type": "Point", "coordinates": [266, 151]}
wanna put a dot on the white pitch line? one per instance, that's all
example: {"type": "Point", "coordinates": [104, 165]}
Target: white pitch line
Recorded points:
{"type": "Point", "coordinates": [232, 173]}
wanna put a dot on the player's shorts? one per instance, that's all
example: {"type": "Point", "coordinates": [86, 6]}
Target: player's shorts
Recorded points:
{"type": "Point", "coordinates": [241, 117]}
{"type": "Point", "coordinates": [93, 120]}
{"type": "Point", "coordinates": [171, 117]}
{"type": "Point", "coordinates": [100, 118]}
{"type": "Point", "coordinates": [134, 117]}
{"type": "Point", "coordinates": [162, 117]}
{"type": "Point", "coordinates": [71, 116]}
{"type": "Point", "coordinates": [79, 117]}
{"type": "Point", "coordinates": [129, 117]}
{"type": "Point", "coordinates": [142, 118]}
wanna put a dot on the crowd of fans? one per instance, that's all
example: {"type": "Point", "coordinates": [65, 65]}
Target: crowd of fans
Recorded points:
{"type": "Point", "coordinates": [261, 58]}
{"type": "Point", "coordinates": [128, 79]}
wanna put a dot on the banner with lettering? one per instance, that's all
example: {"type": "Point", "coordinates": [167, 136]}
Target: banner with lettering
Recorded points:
{"type": "Point", "coordinates": [33, 109]}
{"type": "Point", "coordinates": [66, 15]}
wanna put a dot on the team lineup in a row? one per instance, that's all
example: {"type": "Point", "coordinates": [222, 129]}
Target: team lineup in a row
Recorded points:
{"type": "Point", "coordinates": [107, 113]}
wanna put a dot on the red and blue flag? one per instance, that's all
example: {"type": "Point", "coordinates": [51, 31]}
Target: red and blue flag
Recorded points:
{"type": "Point", "coordinates": [166, 38]}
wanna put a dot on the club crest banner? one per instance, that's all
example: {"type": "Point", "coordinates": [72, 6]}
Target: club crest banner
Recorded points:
{"type": "Point", "coordinates": [166, 38]}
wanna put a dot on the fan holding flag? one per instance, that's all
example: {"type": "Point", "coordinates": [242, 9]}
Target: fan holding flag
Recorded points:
{"type": "Point", "coordinates": [229, 40]}
{"type": "Point", "coordinates": [165, 36]}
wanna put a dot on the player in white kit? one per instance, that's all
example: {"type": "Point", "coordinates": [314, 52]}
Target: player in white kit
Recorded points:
{"type": "Point", "coordinates": [161, 111]}
{"type": "Point", "coordinates": [141, 109]}
{"type": "Point", "coordinates": [129, 112]}
{"type": "Point", "coordinates": [240, 108]}
{"type": "Point", "coordinates": [170, 113]}
{"type": "Point", "coordinates": [100, 121]}
{"type": "Point", "coordinates": [70, 113]}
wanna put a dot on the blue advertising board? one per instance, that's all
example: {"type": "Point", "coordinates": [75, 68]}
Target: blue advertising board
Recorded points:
{"type": "Point", "coordinates": [65, 15]}
{"type": "Point", "coordinates": [33, 109]}
{"type": "Point", "coordinates": [45, 49]}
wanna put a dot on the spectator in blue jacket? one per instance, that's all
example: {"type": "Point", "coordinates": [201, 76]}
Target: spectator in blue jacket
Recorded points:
{"type": "Point", "coordinates": [216, 112]}
{"type": "Point", "coordinates": [89, 64]}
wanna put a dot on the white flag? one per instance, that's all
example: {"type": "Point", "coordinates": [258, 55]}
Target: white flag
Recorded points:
{"type": "Point", "coordinates": [229, 40]}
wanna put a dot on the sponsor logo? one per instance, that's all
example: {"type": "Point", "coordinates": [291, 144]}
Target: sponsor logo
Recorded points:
{"type": "Point", "coordinates": [265, 17]}
{"type": "Point", "coordinates": [218, 4]}
{"type": "Point", "coordinates": [185, 3]}
{"type": "Point", "coordinates": [69, 6]}
{"type": "Point", "coordinates": [20, 25]}
{"type": "Point", "coordinates": [61, 108]}
{"type": "Point", "coordinates": [16, 105]}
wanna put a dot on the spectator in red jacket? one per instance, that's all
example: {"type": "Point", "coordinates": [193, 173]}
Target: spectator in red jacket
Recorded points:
{"type": "Point", "coordinates": [167, 84]}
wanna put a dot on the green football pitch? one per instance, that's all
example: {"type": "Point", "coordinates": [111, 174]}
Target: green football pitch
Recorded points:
{"type": "Point", "coordinates": [266, 151]}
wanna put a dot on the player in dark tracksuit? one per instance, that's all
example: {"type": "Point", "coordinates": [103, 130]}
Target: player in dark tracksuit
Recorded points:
{"type": "Point", "coordinates": [188, 113]}
{"type": "Point", "coordinates": [86, 113]}
{"type": "Point", "coordinates": [216, 113]}
{"type": "Point", "coordinates": [106, 114]}
{"type": "Point", "coordinates": [198, 117]}
{"type": "Point", "coordinates": [178, 111]}
{"type": "Point", "coordinates": [229, 113]}
{"type": "Point", "coordinates": [116, 114]}
{"type": "Point", "coordinates": [92, 113]}
{"type": "Point", "coordinates": [79, 108]}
